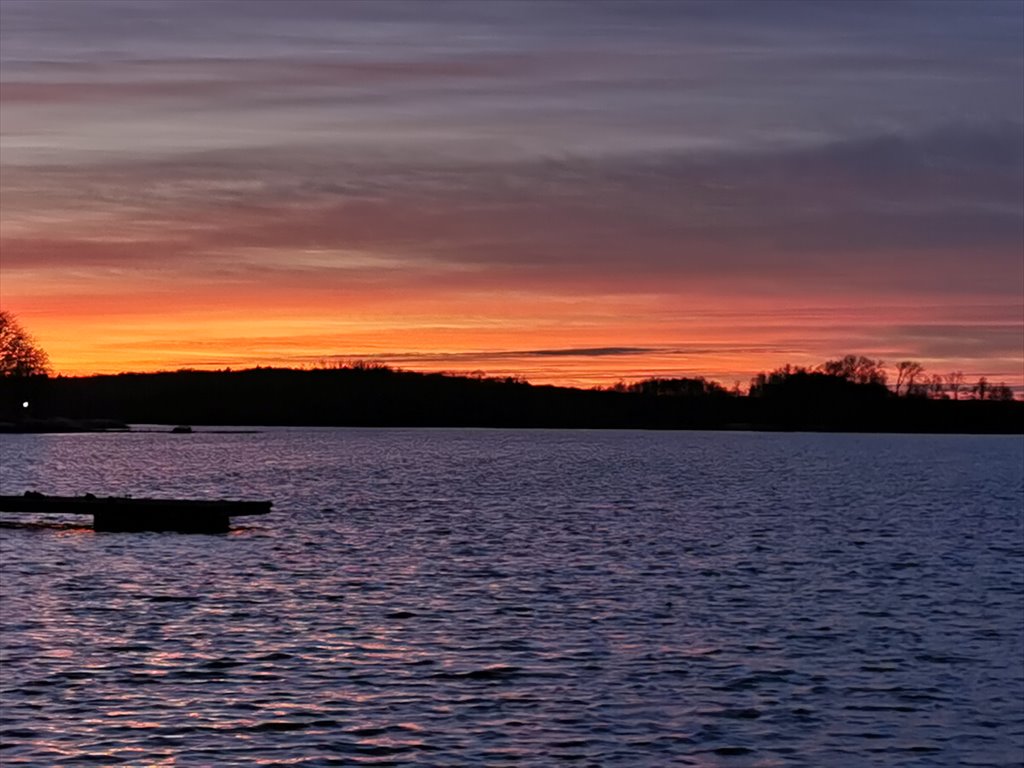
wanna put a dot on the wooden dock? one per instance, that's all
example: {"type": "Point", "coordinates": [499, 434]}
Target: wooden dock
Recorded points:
{"type": "Point", "coordinates": [123, 513]}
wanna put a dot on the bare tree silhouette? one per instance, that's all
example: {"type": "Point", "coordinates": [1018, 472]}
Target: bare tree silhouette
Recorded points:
{"type": "Point", "coordinates": [20, 356]}
{"type": "Point", "coordinates": [981, 389]}
{"type": "Point", "coordinates": [955, 383]}
{"type": "Point", "coordinates": [1000, 392]}
{"type": "Point", "coordinates": [907, 374]}
{"type": "Point", "coordinates": [858, 369]}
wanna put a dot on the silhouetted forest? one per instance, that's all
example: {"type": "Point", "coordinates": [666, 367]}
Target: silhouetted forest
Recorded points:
{"type": "Point", "coordinates": [835, 398]}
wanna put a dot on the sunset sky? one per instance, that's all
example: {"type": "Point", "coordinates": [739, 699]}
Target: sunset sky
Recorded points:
{"type": "Point", "coordinates": [575, 192]}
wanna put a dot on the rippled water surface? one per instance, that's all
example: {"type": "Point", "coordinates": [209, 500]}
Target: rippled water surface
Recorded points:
{"type": "Point", "coordinates": [457, 597]}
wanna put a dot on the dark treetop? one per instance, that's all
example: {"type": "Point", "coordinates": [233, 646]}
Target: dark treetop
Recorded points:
{"type": "Point", "coordinates": [361, 395]}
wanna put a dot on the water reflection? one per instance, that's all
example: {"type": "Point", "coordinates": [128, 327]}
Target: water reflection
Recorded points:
{"type": "Point", "coordinates": [467, 598]}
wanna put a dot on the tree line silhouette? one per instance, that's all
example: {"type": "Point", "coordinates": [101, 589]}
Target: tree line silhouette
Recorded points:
{"type": "Point", "coordinates": [374, 395]}
{"type": "Point", "coordinates": [851, 393]}
{"type": "Point", "coordinates": [870, 376]}
{"type": "Point", "coordinates": [20, 356]}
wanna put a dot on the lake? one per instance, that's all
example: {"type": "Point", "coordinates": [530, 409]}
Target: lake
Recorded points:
{"type": "Point", "coordinates": [490, 597]}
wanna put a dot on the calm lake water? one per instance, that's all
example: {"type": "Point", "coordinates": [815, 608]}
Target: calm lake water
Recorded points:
{"type": "Point", "coordinates": [487, 597]}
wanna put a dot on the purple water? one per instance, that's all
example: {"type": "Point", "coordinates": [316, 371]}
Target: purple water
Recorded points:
{"type": "Point", "coordinates": [485, 597]}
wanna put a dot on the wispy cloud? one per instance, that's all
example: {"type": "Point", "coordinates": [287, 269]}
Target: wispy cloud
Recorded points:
{"type": "Point", "coordinates": [559, 177]}
{"type": "Point", "coordinates": [890, 213]}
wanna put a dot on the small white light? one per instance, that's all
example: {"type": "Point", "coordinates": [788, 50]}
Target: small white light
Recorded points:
{"type": "Point", "coordinates": [25, 404]}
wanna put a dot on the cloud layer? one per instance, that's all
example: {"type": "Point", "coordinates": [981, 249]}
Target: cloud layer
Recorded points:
{"type": "Point", "coordinates": [581, 189]}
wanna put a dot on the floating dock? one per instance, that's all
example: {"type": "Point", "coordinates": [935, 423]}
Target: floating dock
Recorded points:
{"type": "Point", "coordinates": [123, 513]}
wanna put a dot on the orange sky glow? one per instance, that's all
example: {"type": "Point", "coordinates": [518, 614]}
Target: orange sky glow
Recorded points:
{"type": "Point", "coordinates": [565, 200]}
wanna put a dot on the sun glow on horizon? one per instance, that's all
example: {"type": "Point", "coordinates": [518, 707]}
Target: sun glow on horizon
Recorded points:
{"type": "Point", "coordinates": [575, 202]}
{"type": "Point", "coordinates": [554, 346]}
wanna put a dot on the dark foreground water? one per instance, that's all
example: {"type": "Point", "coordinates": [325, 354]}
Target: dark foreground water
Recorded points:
{"type": "Point", "coordinates": [448, 597]}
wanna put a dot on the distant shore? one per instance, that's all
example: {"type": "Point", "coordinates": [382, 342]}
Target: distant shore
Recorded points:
{"type": "Point", "coordinates": [67, 426]}
{"type": "Point", "coordinates": [382, 397]}
{"type": "Point", "coordinates": [62, 425]}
